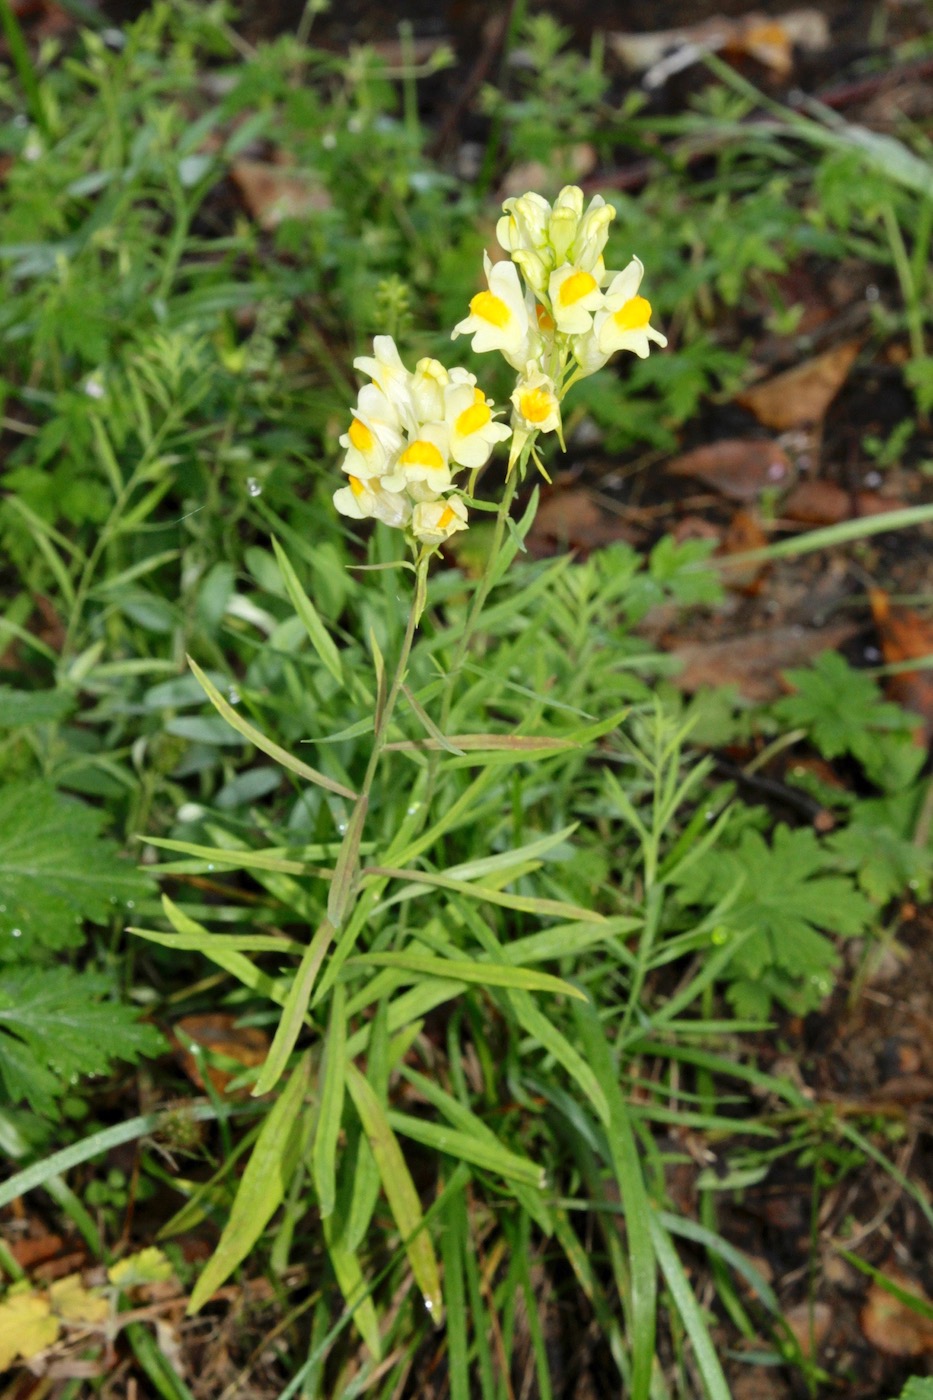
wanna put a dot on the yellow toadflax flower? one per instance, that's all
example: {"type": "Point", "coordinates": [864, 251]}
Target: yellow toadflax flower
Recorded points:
{"type": "Point", "coordinates": [498, 318]}
{"type": "Point", "coordinates": [624, 324]}
{"type": "Point", "coordinates": [408, 437]}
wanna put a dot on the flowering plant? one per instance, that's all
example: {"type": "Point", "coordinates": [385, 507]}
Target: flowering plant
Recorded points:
{"type": "Point", "coordinates": [553, 310]}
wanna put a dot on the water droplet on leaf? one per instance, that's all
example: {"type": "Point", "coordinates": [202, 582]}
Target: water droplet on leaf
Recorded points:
{"type": "Point", "coordinates": [253, 488]}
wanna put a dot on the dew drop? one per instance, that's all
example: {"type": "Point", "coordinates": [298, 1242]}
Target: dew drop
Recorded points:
{"type": "Point", "coordinates": [131, 904]}
{"type": "Point", "coordinates": [709, 816]}
{"type": "Point", "coordinates": [342, 828]}
{"type": "Point", "coordinates": [872, 479]}
{"type": "Point", "coordinates": [914, 884]}
{"type": "Point", "coordinates": [212, 866]}
{"type": "Point", "coordinates": [16, 933]}
{"type": "Point", "coordinates": [253, 487]}
{"type": "Point", "coordinates": [412, 809]}
{"type": "Point", "coordinates": [872, 293]}
{"type": "Point", "coordinates": [233, 695]}
{"type": "Point", "coordinates": [2, 908]}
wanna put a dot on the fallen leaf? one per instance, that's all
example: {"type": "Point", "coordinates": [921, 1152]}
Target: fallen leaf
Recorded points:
{"type": "Point", "coordinates": [809, 1327]}
{"type": "Point", "coordinates": [892, 1326]}
{"type": "Point", "coordinates": [906, 636]}
{"type": "Point", "coordinates": [573, 519]}
{"type": "Point", "coordinates": [218, 1032]}
{"type": "Point", "coordinates": [72, 1302]}
{"type": "Point", "coordinates": [743, 535]}
{"type": "Point", "coordinates": [30, 1251]}
{"type": "Point", "coordinates": [825, 503]}
{"type": "Point", "coordinates": [26, 1326]}
{"type": "Point", "coordinates": [754, 660]}
{"type": "Point", "coordinates": [273, 192]}
{"type": "Point", "coordinates": [148, 1266]}
{"type": "Point", "coordinates": [736, 467]}
{"type": "Point", "coordinates": [803, 394]}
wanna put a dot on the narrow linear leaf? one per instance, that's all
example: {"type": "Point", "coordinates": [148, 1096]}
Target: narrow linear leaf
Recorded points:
{"type": "Point", "coordinates": [491, 1157]}
{"type": "Point", "coordinates": [641, 1311]}
{"type": "Point", "coordinates": [294, 1010]}
{"type": "Point", "coordinates": [225, 942]}
{"type": "Point", "coordinates": [346, 871]}
{"type": "Point", "coordinates": [352, 1285]}
{"type": "Point", "coordinates": [523, 744]}
{"type": "Point", "coordinates": [690, 1313]}
{"type": "Point", "coordinates": [324, 1151]}
{"type": "Point", "coordinates": [423, 879]}
{"type": "Point", "coordinates": [318, 634]}
{"type": "Point", "coordinates": [485, 974]}
{"type": "Point", "coordinates": [400, 1191]}
{"type": "Point", "coordinates": [267, 746]}
{"type": "Point", "coordinates": [240, 859]}
{"type": "Point", "coordinates": [435, 737]}
{"type": "Point", "coordinates": [263, 1186]}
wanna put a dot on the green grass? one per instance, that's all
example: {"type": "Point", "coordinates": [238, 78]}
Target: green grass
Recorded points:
{"type": "Point", "coordinates": [498, 988]}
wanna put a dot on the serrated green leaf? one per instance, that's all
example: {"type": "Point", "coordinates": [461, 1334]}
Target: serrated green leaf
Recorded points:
{"type": "Point", "coordinates": [56, 1024]}
{"type": "Point", "coordinates": [56, 871]}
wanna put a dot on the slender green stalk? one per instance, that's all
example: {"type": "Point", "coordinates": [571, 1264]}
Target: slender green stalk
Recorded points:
{"type": "Point", "coordinates": [24, 68]}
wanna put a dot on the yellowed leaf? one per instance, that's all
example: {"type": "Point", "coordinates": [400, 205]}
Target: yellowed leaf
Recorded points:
{"type": "Point", "coordinates": [72, 1302]}
{"type": "Point", "coordinates": [148, 1266]}
{"type": "Point", "coordinates": [26, 1326]}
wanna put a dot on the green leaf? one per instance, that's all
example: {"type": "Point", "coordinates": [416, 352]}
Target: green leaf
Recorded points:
{"type": "Point", "coordinates": [400, 1191]}
{"type": "Point", "coordinates": [641, 1303]}
{"type": "Point", "coordinates": [267, 746]}
{"type": "Point", "coordinates": [294, 1010]}
{"type": "Point", "coordinates": [324, 1150]}
{"type": "Point", "coordinates": [56, 1024]}
{"type": "Point", "coordinates": [844, 713]}
{"type": "Point", "coordinates": [56, 871]}
{"type": "Point", "coordinates": [318, 634]}
{"type": "Point", "coordinates": [19, 707]}
{"type": "Point", "coordinates": [785, 898]}
{"type": "Point", "coordinates": [263, 1186]}
{"type": "Point", "coordinates": [486, 974]}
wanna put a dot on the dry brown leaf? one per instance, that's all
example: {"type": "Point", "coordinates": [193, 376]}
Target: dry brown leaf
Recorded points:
{"type": "Point", "coordinates": [891, 1325]}
{"type": "Point", "coordinates": [825, 503]}
{"type": "Point", "coordinates": [809, 1326]}
{"type": "Point", "coordinates": [573, 519]}
{"type": "Point", "coordinates": [743, 535]}
{"type": "Point", "coordinates": [35, 1249]}
{"type": "Point", "coordinates": [753, 661]}
{"type": "Point", "coordinates": [218, 1032]}
{"type": "Point", "coordinates": [739, 468]}
{"type": "Point", "coordinates": [803, 394]}
{"type": "Point", "coordinates": [272, 192]}
{"type": "Point", "coordinates": [906, 636]}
